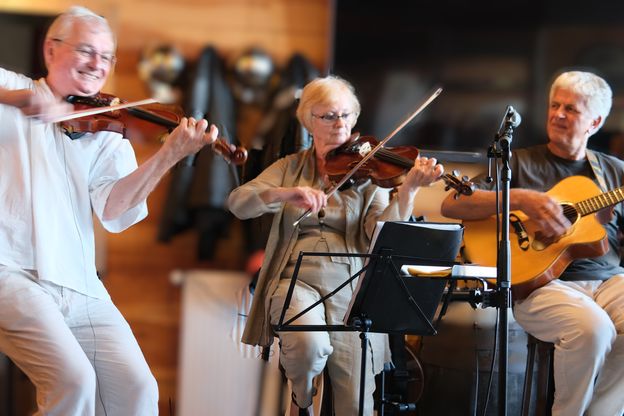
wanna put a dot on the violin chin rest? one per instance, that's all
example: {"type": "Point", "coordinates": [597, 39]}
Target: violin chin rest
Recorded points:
{"type": "Point", "coordinates": [348, 184]}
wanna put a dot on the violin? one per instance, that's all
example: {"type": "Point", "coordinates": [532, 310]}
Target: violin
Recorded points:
{"type": "Point", "coordinates": [153, 120]}
{"type": "Point", "coordinates": [364, 158]}
{"type": "Point", "coordinates": [386, 168]}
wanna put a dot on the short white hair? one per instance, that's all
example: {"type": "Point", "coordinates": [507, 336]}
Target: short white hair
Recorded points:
{"type": "Point", "coordinates": [593, 88]}
{"type": "Point", "coordinates": [325, 91]}
{"type": "Point", "coordinates": [61, 26]}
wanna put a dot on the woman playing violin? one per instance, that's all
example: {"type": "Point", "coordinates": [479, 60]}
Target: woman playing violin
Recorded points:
{"type": "Point", "coordinates": [343, 222]}
{"type": "Point", "coordinates": [57, 321]}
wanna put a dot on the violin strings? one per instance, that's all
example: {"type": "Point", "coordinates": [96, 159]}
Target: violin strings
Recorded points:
{"type": "Point", "coordinates": [394, 158]}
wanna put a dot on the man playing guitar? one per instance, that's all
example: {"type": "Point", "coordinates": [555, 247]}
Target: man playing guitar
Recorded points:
{"type": "Point", "coordinates": [581, 312]}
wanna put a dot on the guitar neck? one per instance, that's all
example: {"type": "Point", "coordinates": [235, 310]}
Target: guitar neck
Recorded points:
{"type": "Point", "coordinates": [598, 202]}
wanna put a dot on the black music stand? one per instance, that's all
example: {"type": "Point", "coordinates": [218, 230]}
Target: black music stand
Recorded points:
{"type": "Point", "coordinates": [385, 301]}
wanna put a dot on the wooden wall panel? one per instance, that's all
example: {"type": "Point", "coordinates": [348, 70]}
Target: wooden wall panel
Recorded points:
{"type": "Point", "coordinates": [137, 266]}
{"type": "Point", "coordinates": [281, 27]}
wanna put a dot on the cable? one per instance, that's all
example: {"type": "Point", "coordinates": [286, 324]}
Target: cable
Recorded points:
{"type": "Point", "coordinates": [494, 354]}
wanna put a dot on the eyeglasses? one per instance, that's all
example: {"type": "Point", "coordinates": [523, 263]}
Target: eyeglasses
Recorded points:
{"type": "Point", "coordinates": [331, 118]}
{"type": "Point", "coordinates": [88, 52]}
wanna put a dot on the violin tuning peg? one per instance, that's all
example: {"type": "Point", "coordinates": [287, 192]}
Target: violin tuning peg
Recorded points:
{"type": "Point", "coordinates": [455, 172]}
{"type": "Point", "coordinates": [465, 178]}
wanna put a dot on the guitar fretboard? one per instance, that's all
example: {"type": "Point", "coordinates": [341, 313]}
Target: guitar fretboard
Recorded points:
{"type": "Point", "coordinates": [598, 202]}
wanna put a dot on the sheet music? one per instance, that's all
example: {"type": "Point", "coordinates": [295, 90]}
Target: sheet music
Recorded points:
{"type": "Point", "coordinates": [486, 272]}
{"type": "Point", "coordinates": [421, 270]}
{"type": "Point", "coordinates": [457, 271]}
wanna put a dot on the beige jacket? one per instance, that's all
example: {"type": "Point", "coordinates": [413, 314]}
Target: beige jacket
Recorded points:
{"type": "Point", "coordinates": [244, 202]}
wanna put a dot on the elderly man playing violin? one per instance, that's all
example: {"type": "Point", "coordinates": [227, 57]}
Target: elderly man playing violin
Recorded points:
{"type": "Point", "coordinates": [57, 321]}
{"type": "Point", "coordinates": [342, 222]}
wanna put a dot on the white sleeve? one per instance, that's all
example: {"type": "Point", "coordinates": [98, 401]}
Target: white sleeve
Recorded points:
{"type": "Point", "coordinates": [14, 81]}
{"type": "Point", "coordinates": [116, 159]}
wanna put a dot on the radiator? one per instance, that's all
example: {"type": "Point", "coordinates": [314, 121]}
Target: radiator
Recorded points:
{"type": "Point", "coordinates": [219, 375]}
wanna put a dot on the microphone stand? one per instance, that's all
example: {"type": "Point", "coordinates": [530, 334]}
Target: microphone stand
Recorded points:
{"type": "Point", "coordinates": [503, 279]}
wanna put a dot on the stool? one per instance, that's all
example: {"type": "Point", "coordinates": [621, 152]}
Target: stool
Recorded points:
{"type": "Point", "coordinates": [17, 393]}
{"type": "Point", "coordinates": [545, 377]}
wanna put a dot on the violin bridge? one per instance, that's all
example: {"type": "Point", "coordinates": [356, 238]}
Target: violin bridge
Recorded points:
{"type": "Point", "coordinates": [364, 149]}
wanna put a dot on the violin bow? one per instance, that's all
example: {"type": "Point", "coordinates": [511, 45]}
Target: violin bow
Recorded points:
{"type": "Point", "coordinates": [374, 150]}
{"type": "Point", "coordinates": [97, 110]}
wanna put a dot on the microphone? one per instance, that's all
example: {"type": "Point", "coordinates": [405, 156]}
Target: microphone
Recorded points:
{"type": "Point", "coordinates": [513, 117]}
{"type": "Point", "coordinates": [510, 121]}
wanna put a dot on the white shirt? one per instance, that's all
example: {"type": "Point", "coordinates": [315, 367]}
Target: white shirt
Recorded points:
{"type": "Point", "coordinates": [50, 187]}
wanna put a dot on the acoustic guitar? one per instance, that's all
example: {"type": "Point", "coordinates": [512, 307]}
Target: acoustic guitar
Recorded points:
{"type": "Point", "coordinates": [534, 260]}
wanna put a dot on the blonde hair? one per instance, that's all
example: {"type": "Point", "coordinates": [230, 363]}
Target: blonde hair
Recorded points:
{"type": "Point", "coordinates": [593, 88]}
{"type": "Point", "coordinates": [62, 26]}
{"type": "Point", "coordinates": [325, 90]}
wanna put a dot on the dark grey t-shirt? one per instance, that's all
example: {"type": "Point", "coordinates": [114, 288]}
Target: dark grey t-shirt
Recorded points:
{"type": "Point", "coordinates": [537, 168]}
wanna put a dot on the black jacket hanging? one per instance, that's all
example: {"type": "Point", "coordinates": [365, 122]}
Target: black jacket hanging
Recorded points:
{"type": "Point", "coordinates": [201, 183]}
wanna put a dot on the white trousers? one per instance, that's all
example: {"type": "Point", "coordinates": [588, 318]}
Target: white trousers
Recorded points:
{"type": "Point", "coordinates": [305, 354]}
{"type": "Point", "coordinates": [585, 321]}
{"type": "Point", "coordinates": [78, 351]}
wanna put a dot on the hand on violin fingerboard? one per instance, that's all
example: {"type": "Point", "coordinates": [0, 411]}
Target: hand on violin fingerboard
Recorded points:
{"type": "Point", "coordinates": [189, 137]}
{"type": "Point", "coordinates": [424, 172]}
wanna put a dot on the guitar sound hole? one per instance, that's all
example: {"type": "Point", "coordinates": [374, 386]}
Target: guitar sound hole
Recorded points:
{"type": "Point", "coordinates": [570, 212]}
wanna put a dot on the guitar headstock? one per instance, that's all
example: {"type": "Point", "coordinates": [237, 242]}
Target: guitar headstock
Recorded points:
{"type": "Point", "coordinates": [462, 186]}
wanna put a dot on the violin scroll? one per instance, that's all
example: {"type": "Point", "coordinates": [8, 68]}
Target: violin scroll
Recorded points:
{"type": "Point", "coordinates": [461, 186]}
{"type": "Point", "coordinates": [231, 154]}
